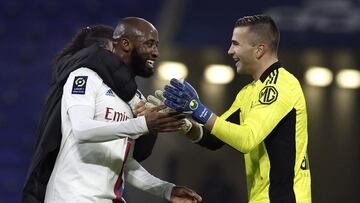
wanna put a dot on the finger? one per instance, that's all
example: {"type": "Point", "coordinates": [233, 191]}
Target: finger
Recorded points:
{"type": "Point", "coordinates": [174, 105]}
{"type": "Point", "coordinates": [197, 197]}
{"type": "Point", "coordinates": [159, 95]}
{"type": "Point", "coordinates": [139, 104]}
{"type": "Point", "coordinates": [171, 124]}
{"type": "Point", "coordinates": [167, 118]}
{"type": "Point", "coordinates": [168, 130]}
{"type": "Point", "coordinates": [140, 108]}
{"type": "Point", "coordinates": [193, 194]}
{"type": "Point", "coordinates": [176, 83]}
{"type": "Point", "coordinates": [171, 97]}
{"type": "Point", "coordinates": [158, 108]}
{"type": "Point", "coordinates": [174, 91]}
{"type": "Point", "coordinates": [149, 105]}
{"type": "Point", "coordinates": [154, 100]}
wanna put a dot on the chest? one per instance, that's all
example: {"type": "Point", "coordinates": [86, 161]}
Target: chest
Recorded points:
{"type": "Point", "coordinates": [247, 100]}
{"type": "Point", "coordinates": [109, 107]}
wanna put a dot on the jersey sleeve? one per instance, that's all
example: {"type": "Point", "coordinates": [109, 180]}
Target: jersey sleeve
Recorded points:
{"type": "Point", "coordinates": [81, 88]}
{"type": "Point", "coordinates": [259, 122]}
{"type": "Point", "coordinates": [210, 141]}
{"type": "Point", "coordinates": [79, 97]}
{"type": "Point", "coordinates": [86, 129]}
{"type": "Point", "coordinates": [140, 178]}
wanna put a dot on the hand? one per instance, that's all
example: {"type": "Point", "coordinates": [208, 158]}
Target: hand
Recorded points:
{"type": "Point", "coordinates": [182, 97]}
{"type": "Point", "coordinates": [139, 109]}
{"type": "Point", "coordinates": [157, 100]}
{"type": "Point", "coordinates": [162, 121]}
{"type": "Point", "coordinates": [181, 194]}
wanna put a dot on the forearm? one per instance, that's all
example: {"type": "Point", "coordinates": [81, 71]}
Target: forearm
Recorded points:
{"type": "Point", "coordinates": [138, 177]}
{"type": "Point", "coordinates": [86, 129]}
{"type": "Point", "coordinates": [210, 123]}
{"type": "Point", "coordinates": [241, 137]}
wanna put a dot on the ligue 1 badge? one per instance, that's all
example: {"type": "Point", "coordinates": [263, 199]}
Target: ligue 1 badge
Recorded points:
{"type": "Point", "coordinates": [79, 85]}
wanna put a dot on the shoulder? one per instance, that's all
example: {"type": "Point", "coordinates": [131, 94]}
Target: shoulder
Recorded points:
{"type": "Point", "coordinates": [280, 77]}
{"type": "Point", "coordinates": [279, 84]}
{"type": "Point", "coordinates": [83, 78]}
{"type": "Point", "coordinates": [85, 74]}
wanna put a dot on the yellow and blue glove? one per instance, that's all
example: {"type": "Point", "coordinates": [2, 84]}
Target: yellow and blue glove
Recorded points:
{"type": "Point", "coordinates": [182, 97]}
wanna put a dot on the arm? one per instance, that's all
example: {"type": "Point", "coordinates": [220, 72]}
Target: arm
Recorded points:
{"type": "Point", "coordinates": [78, 100]}
{"type": "Point", "coordinates": [258, 124]}
{"type": "Point", "coordinates": [260, 121]}
{"type": "Point", "coordinates": [86, 129]}
{"type": "Point", "coordinates": [204, 136]}
{"type": "Point", "coordinates": [137, 176]}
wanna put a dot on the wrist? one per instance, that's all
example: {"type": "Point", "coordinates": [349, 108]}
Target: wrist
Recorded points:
{"type": "Point", "coordinates": [202, 114]}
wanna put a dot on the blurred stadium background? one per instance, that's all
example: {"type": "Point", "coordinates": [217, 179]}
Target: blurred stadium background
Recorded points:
{"type": "Point", "coordinates": [319, 44]}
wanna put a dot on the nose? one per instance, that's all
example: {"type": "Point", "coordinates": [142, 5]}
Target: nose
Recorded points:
{"type": "Point", "coordinates": [231, 50]}
{"type": "Point", "coordinates": [155, 53]}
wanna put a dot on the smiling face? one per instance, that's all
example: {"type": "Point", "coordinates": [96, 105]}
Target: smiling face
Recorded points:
{"type": "Point", "coordinates": [145, 52]}
{"type": "Point", "coordinates": [242, 50]}
{"type": "Point", "coordinates": [136, 44]}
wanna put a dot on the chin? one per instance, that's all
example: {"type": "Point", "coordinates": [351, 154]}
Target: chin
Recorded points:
{"type": "Point", "coordinates": [148, 72]}
{"type": "Point", "coordinates": [239, 70]}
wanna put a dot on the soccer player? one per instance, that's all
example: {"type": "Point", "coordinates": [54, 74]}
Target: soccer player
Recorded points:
{"type": "Point", "coordinates": [267, 121]}
{"type": "Point", "coordinates": [98, 123]}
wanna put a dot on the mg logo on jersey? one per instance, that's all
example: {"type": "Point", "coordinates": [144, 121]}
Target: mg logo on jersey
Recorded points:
{"type": "Point", "coordinates": [268, 95]}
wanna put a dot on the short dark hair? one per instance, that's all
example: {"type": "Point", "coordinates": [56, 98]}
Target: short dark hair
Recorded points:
{"type": "Point", "coordinates": [264, 29]}
{"type": "Point", "coordinates": [86, 37]}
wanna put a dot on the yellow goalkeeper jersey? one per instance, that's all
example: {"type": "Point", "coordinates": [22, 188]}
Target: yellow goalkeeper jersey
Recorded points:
{"type": "Point", "coordinates": [273, 136]}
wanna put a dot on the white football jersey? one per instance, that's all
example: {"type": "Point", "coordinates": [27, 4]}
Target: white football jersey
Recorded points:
{"type": "Point", "coordinates": [92, 171]}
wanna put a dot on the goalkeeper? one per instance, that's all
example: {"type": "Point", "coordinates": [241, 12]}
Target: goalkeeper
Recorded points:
{"type": "Point", "coordinates": [267, 121]}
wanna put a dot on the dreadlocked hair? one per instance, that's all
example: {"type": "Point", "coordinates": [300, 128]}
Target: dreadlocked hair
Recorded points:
{"type": "Point", "coordinates": [85, 37]}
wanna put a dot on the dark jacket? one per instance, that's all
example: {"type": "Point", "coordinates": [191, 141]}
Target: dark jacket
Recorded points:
{"type": "Point", "coordinates": [115, 74]}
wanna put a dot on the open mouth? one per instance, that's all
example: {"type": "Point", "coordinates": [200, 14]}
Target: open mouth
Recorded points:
{"type": "Point", "coordinates": [237, 61]}
{"type": "Point", "coordinates": [150, 63]}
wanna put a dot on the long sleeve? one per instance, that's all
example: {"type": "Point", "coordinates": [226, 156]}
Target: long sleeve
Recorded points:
{"type": "Point", "coordinates": [86, 129]}
{"type": "Point", "coordinates": [79, 103]}
{"type": "Point", "coordinates": [140, 178]}
{"type": "Point", "coordinates": [258, 124]}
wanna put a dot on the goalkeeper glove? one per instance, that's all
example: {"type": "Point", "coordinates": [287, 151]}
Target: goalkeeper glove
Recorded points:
{"type": "Point", "coordinates": [182, 97]}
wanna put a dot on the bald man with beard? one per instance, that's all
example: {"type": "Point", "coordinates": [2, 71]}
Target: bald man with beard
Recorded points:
{"type": "Point", "coordinates": [102, 116]}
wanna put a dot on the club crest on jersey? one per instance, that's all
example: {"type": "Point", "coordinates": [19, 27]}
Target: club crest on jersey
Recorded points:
{"type": "Point", "coordinates": [110, 93]}
{"type": "Point", "coordinates": [268, 95]}
{"type": "Point", "coordinates": [79, 85]}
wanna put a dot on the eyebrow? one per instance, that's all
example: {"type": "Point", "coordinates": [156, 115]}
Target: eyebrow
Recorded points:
{"type": "Point", "coordinates": [152, 40]}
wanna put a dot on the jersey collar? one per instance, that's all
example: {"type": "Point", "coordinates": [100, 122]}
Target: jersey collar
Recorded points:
{"type": "Point", "coordinates": [267, 72]}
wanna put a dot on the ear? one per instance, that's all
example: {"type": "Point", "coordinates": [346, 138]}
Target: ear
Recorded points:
{"type": "Point", "coordinates": [260, 51]}
{"type": "Point", "coordinates": [125, 44]}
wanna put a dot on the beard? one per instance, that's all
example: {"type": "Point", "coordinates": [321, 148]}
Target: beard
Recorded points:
{"type": "Point", "coordinates": [139, 65]}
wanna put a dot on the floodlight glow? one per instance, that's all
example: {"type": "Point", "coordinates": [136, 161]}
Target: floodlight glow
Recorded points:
{"type": "Point", "coordinates": [219, 74]}
{"type": "Point", "coordinates": [318, 76]}
{"type": "Point", "coordinates": [348, 78]}
{"type": "Point", "coordinates": [172, 69]}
